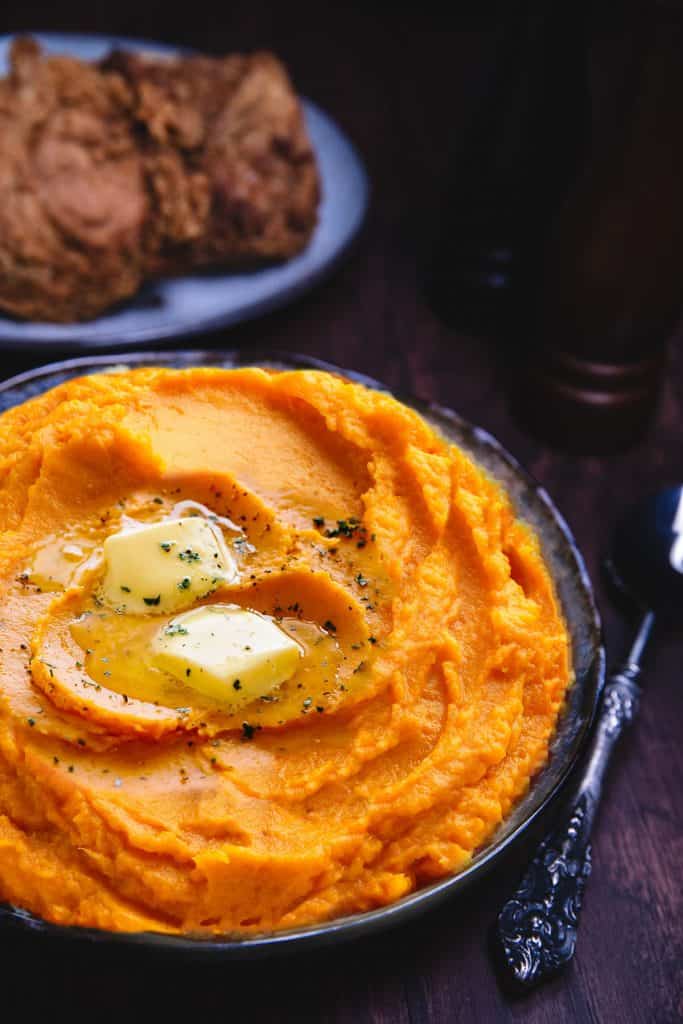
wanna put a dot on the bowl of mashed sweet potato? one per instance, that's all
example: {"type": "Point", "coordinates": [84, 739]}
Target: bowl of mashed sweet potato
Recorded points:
{"type": "Point", "coordinates": [283, 658]}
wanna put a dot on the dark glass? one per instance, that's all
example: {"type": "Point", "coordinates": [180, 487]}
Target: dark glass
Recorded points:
{"type": "Point", "coordinates": [610, 290]}
{"type": "Point", "coordinates": [511, 165]}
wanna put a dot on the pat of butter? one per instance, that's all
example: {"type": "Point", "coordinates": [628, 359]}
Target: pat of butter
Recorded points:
{"type": "Point", "coordinates": [226, 652]}
{"type": "Point", "coordinates": [166, 566]}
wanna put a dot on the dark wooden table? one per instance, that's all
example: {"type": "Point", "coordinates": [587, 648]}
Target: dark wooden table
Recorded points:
{"type": "Point", "coordinates": [399, 86]}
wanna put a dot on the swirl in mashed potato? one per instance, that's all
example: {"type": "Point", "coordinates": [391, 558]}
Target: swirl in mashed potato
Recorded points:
{"type": "Point", "coordinates": [432, 655]}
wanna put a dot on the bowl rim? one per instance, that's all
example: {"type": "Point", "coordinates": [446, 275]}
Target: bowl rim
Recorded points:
{"type": "Point", "coordinates": [408, 907]}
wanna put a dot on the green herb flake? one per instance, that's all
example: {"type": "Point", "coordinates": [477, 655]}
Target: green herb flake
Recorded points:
{"type": "Point", "coordinates": [188, 555]}
{"type": "Point", "coordinates": [361, 580]}
{"type": "Point", "coordinates": [166, 545]}
{"type": "Point", "coordinates": [175, 629]}
{"type": "Point", "coordinates": [31, 721]}
{"type": "Point", "coordinates": [184, 583]}
{"type": "Point", "coordinates": [345, 528]}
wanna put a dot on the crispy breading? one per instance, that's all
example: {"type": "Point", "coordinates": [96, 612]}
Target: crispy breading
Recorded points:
{"type": "Point", "coordinates": [233, 132]}
{"type": "Point", "coordinates": [143, 166]}
{"type": "Point", "coordinates": [72, 193]}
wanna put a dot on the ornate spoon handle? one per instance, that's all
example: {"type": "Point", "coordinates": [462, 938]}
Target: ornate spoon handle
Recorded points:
{"type": "Point", "coordinates": [537, 927]}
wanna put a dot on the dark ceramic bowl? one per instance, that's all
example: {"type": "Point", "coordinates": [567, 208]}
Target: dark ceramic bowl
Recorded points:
{"type": "Point", "coordinates": [576, 596]}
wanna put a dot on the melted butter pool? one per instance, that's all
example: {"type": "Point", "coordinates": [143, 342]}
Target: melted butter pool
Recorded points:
{"type": "Point", "coordinates": [117, 655]}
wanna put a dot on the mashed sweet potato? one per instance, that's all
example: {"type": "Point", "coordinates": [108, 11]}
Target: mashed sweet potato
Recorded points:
{"type": "Point", "coordinates": [436, 658]}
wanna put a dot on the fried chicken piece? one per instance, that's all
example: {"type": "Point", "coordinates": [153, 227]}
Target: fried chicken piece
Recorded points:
{"type": "Point", "coordinates": [141, 166]}
{"type": "Point", "coordinates": [229, 164]}
{"type": "Point", "coordinates": [73, 200]}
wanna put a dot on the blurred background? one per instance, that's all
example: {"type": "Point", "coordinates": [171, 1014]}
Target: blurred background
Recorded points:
{"type": "Point", "coordinates": [526, 165]}
{"type": "Point", "coordinates": [522, 262]}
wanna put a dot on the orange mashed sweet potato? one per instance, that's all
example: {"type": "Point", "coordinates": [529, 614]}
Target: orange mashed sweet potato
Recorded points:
{"type": "Point", "coordinates": [435, 655]}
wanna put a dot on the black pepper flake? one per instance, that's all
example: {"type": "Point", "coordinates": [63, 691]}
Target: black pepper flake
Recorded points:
{"type": "Point", "coordinates": [237, 685]}
{"type": "Point", "coordinates": [329, 626]}
{"type": "Point", "coordinates": [249, 730]}
{"type": "Point", "coordinates": [31, 721]}
{"type": "Point", "coordinates": [152, 601]}
{"type": "Point", "coordinates": [345, 528]}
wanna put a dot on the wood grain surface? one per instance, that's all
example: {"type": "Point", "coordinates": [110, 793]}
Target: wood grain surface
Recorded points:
{"type": "Point", "coordinates": [399, 81]}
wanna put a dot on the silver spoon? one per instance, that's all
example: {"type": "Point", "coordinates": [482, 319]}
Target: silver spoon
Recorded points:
{"type": "Point", "coordinates": [537, 927]}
